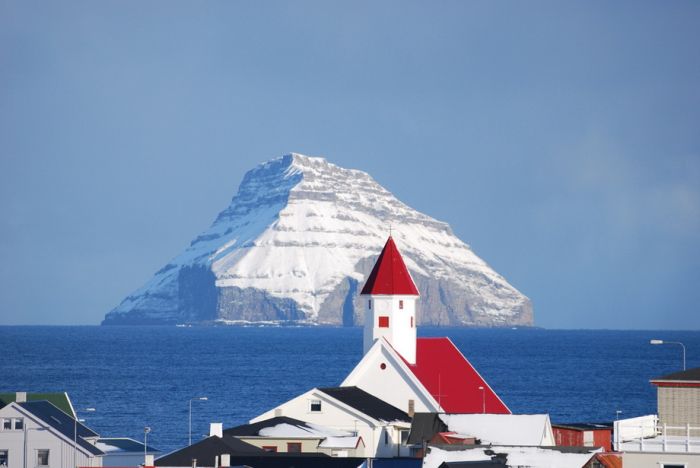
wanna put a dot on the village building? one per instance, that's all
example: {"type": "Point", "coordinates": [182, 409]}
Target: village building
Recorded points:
{"type": "Point", "coordinates": [412, 374]}
{"type": "Point", "coordinates": [374, 427]}
{"type": "Point", "coordinates": [584, 435]}
{"type": "Point", "coordinates": [36, 434]}
{"type": "Point", "coordinates": [670, 438]}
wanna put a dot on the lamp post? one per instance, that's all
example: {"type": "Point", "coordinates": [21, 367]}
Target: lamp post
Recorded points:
{"type": "Point", "coordinates": [483, 400]}
{"type": "Point", "coordinates": [75, 435]}
{"type": "Point", "coordinates": [146, 430]}
{"type": "Point", "coordinates": [660, 342]}
{"type": "Point", "coordinates": [203, 398]}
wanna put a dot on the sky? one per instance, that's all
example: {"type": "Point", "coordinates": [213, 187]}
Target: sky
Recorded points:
{"type": "Point", "coordinates": [560, 140]}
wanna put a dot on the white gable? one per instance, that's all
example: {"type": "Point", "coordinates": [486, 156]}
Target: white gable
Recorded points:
{"type": "Point", "coordinates": [381, 372]}
{"type": "Point", "coordinates": [502, 429]}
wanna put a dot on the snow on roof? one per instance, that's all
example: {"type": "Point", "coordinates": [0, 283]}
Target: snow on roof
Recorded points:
{"type": "Point", "coordinates": [341, 442]}
{"type": "Point", "coordinates": [285, 430]}
{"type": "Point", "coordinates": [516, 456]}
{"type": "Point", "coordinates": [390, 275]}
{"type": "Point", "coordinates": [452, 380]}
{"type": "Point", "coordinates": [505, 429]}
{"type": "Point", "coordinates": [122, 444]}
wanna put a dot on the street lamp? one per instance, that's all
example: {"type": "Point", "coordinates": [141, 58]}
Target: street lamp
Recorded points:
{"type": "Point", "coordinates": [203, 398]}
{"type": "Point", "coordinates": [483, 400]}
{"type": "Point", "coordinates": [146, 430]}
{"type": "Point", "coordinates": [660, 342]}
{"type": "Point", "coordinates": [75, 434]}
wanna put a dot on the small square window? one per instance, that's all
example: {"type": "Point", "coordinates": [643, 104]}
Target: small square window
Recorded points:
{"type": "Point", "coordinates": [19, 424]}
{"type": "Point", "coordinates": [315, 406]}
{"type": "Point", "coordinates": [294, 447]}
{"type": "Point", "coordinates": [7, 424]}
{"type": "Point", "coordinates": [4, 457]}
{"type": "Point", "coordinates": [400, 304]}
{"type": "Point", "coordinates": [42, 457]}
{"type": "Point", "coordinates": [383, 322]}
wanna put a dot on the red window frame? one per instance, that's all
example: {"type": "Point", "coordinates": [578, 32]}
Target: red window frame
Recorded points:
{"type": "Point", "coordinates": [383, 321]}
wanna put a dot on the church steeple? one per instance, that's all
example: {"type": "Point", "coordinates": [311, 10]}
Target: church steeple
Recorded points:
{"type": "Point", "coordinates": [390, 297]}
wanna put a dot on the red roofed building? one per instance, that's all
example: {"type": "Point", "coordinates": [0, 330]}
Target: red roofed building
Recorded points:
{"type": "Point", "coordinates": [413, 374]}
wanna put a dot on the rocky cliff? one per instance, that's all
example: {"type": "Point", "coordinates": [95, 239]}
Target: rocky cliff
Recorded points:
{"type": "Point", "coordinates": [295, 245]}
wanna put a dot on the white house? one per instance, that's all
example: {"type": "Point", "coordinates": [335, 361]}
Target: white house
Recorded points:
{"type": "Point", "coordinates": [410, 373]}
{"type": "Point", "coordinates": [380, 426]}
{"type": "Point", "coordinates": [36, 434]}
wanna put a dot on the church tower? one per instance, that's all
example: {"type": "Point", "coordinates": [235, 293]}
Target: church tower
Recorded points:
{"type": "Point", "coordinates": [389, 297]}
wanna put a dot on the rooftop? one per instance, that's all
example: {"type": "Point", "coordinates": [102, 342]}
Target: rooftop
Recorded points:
{"type": "Point", "coordinates": [63, 423]}
{"type": "Point", "coordinates": [390, 275]}
{"type": "Point", "coordinates": [452, 380]}
{"type": "Point", "coordinates": [686, 376]}
{"type": "Point", "coordinates": [59, 399]}
{"type": "Point", "coordinates": [366, 403]}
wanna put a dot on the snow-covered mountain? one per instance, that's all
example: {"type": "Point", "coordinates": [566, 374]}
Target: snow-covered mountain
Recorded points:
{"type": "Point", "coordinates": [298, 240]}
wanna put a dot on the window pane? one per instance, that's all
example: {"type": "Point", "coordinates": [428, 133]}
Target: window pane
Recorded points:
{"type": "Point", "coordinates": [7, 424]}
{"type": "Point", "coordinates": [43, 457]}
{"type": "Point", "coordinates": [293, 447]}
{"type": "Point", "coordinates": [4, 458]}
{"type": "Point", "coordinates": [315, 405]}
{"type": "Point", "coordinates": [19, 424]}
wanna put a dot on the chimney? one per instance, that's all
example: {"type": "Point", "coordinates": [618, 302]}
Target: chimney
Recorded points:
{"type": "Point", "coordinates": [225, 460]}
{"type": "Point", "coordinates": [278, 412]}
{"type": "Point", "coordinates": [149, 461]}
{"type": "Point", "coordinates": [411, 407]}
{"type": "Point", "coordinates": [21, 397]}
{"type": "Point", "coordinates": [194, 463]}
{"type": "Point", "coordinates": [216, 429]}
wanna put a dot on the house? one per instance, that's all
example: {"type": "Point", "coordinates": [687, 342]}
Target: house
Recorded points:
{"type": "Point", "coordinates": [284, 434]}
{"type": "Point", "coordinates": [410, 373]}
{"type": "Point", "coordinates": [37, 434]}
{"type": "Point", "coordinates": [349, 410]}
{"type": "Point", "coordinates": [229, 451]}
{"type": "Point", "coordinates": [584, 435]}
{"type": "Point", "coordinates": [671, 438]}
{"type": "Point", "coordinates": [482, 429]}
{"type": "Point", "coordinates": [678, 400]}
{"type": "Point", "coordinates": [123, 451]}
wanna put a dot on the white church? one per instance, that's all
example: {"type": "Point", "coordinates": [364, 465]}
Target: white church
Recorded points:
{"type": "Point", "coordinates": [398, 375]}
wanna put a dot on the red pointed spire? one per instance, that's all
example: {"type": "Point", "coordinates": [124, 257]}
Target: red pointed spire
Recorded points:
{"type": "Point", "coordinates": [390, 275]}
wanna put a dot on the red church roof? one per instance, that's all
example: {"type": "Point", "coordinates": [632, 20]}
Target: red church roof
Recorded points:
{"type": "Point", "coordinates": [390, 275]}
{"type": "Point", "coordinates": [452, 380]}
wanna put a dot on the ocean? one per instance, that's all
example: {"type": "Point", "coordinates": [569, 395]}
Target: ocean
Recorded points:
{"type": "Point", "coordinates": [145, 376]}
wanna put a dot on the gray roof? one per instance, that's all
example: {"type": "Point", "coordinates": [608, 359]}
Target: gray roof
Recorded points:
{"type": "Point", "coordinates": [366, 403]}
{"type": "Point", "coordinates": [685, 376]}
{"type": "Point", "coordinates": [63, 423]}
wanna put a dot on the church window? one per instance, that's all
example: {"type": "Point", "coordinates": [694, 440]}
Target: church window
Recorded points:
{"type": "Point", "coordinates": [315, 406]}
{"type": "Point", "coordinates": [401, 304]}
{"type": "Point", "coordinates": [382, 366]}
{"type": "Point", "coordinates": [383, 321]}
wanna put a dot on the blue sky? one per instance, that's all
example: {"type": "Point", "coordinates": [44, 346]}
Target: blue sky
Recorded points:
{"type": "Point", "coordinates": [561, 140]}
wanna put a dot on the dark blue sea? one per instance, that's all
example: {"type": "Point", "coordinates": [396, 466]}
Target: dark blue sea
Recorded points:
{"type": "Point", "coordinates": [145, 376]}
